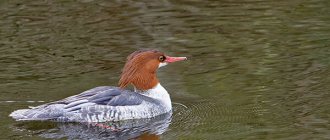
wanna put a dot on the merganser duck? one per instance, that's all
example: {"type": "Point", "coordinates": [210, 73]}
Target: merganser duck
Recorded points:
{"type": "Point", "coordinates": [108, 103]}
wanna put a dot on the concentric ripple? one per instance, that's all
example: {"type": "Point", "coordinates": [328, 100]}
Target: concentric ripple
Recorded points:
{"type": "Point", "coordinates": [208, 119]}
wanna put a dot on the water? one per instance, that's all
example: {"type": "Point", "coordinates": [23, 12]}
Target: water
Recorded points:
{"type": "Point", "coordinates": [257, 69]}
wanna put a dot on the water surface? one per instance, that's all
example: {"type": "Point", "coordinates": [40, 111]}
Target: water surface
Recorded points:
{"type": "Point", "coordinates": [257, 69]}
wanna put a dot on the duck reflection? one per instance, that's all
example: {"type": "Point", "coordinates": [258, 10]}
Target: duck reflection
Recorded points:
{"type": "Point", "coordinates": [139, 129]}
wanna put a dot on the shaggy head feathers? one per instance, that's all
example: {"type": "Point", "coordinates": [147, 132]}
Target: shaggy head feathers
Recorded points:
{"type": "Point", "coordinates": [140, 69]}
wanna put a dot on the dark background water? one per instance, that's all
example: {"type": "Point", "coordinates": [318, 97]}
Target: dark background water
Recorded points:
{"type": "Point", "coordinates": [257, 69]}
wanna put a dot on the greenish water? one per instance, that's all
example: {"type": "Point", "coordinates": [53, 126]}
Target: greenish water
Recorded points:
{"type": "Point", "coordinates": [257, 69]}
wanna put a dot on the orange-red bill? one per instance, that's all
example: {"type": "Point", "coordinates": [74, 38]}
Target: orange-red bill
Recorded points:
{"type": "Point", "coordinates": [170, 59]}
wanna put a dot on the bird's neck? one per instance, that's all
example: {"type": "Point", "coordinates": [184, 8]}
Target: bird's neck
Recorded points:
{"type": "Point", "coordinates": [145, 81]}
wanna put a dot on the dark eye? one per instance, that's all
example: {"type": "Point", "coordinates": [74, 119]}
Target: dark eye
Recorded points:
{"type": "Point", "coordinates": [162, 58]}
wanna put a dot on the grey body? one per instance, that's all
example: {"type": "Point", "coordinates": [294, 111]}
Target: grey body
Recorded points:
{"type": "Point", "coordinates": [101, 104]}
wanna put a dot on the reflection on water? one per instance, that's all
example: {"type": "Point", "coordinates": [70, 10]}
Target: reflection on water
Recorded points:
{"type": "Point", "coordinates": [137, 129]}
{"type": "Point", "coordinates": [257, 69]}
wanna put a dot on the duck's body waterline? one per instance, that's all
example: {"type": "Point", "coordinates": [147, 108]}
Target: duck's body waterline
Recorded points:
{"type": "Point", "coordinates": [109, 103]}
{"type": "Point", "coordinates": [147, 104]}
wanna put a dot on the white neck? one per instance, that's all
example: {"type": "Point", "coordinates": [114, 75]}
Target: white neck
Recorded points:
{"type": "Point", "coordinates": [159, 93]}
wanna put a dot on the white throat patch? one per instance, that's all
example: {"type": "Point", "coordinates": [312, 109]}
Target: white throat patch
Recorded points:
{"type": "Point", "coordinates": [162, 64]}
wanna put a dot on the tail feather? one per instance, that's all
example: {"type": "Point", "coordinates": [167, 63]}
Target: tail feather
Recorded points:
{"type": "Point", "coordinates": [38, 113]}
{"type": "Point", "coordinates": [19, 114]}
